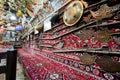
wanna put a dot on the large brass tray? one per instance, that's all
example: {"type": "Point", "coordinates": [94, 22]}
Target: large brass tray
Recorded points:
{"type": "Point", "coordinates": [73, 13]}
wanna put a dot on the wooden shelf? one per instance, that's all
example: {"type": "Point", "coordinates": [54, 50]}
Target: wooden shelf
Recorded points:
{"type": "Point", "coordinates": [34, 17]}
{"type": "Point", "coordinates": [57, 42]}
{"type": "Point", "coordinates": [103, 52]}
{"type": "Point", "coordinates": [87, 26]}
{"type": "Point", "coordinates": [55, 26]}
{"type": "Point", "coordinates": [105, 24]}
{"type": "Point", "coordinates": [85, 11]}
{"type": "Point", "coordinates": [101, 25]}
{"type": "Point", "coordinates": [61, 29]}
{"type": "Point", "coordinates": [35, 44]}
{"type": "Point", "coordinates": [99, 3]}
{"type": "Point", "coordinates": [46, 39]}
{"type": "Point", "coordinates": [28, 33]}
{"type": "Point", "coordinates": [80, 27]}
{"type": "Point", "coordinates": [42, 43]}
{"type": "Point", "coordinates": [48, 46]}
{"type": "Point", "coordinates": [97, 51]}
{"type": "Point", "coordinates": [66, 51]}
{"type": "Point", "coordinates": [77, 50]}
{"type": "Point", "coordinates": [41, 21]}
{"type": "Point", "coordinates": [115, 33]}
{"type": "Point", "coordinates": [46, 33]}
{"type": "Point", "coordinates": [56, 11]}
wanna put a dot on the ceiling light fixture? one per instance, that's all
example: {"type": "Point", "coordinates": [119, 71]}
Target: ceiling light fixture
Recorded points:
{"type": "Point", "coordinates": [13, 18]}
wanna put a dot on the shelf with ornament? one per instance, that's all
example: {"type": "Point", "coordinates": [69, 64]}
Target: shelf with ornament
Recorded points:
{"type": "Point", "coordinates": [96, 51]}
{"type": "Point", "coordinates": [90, 6]}
{"type": "Point", "coordinates": [43, 19]}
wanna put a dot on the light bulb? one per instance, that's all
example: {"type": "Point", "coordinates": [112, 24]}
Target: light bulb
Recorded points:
{"type": "Point", "coordinates": [13, 18]}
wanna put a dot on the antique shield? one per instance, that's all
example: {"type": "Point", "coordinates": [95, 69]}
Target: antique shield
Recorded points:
{"type": "Point", "coordinates": [87, 58]}
{"type": "Point", "coordinates": [73, 13]}
{"type": "Point", "coordinates": [107, 64]}
{"type": "Point", "coordinates": [104, 36]}
{"type": "Point", "coordinates": [85, 34]}
{"type": "Point", "coordinates": [103, 12]}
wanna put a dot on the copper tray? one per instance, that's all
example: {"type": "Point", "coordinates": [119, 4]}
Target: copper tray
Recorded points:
{"type": "Point", "coordinates": [88, 59]}
{"type": "Point", "coordinates": [73, 13]}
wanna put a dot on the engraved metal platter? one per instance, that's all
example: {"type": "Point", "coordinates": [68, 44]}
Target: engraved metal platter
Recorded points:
{"type": "Point", "coordinates": [87, 59]}
{"type": "Point", "coordinates": [107, 64]}
{"type": "Point", "coordinates": [85, 34]}
{"type": "Point", "coordinates": [73, 13]}
{"type": "Point", "coordinates": [104, 11]}
{"type": "Point", "coordinates": [103, 36]}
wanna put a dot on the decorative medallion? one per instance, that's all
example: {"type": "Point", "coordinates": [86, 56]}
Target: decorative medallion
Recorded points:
{"type": "Point", "coordinates": [73, 13]}
{"type": "Point", "coordinates": [87, 68]}
{"type": "Point", "coordinates": [104, 12]}
{"type": "Point", "coordinates": [87, 59]}
{"type": "Point", "coordinates": [54, 76]}
{"type": "Point", "coordinates": [107, 64]}
{"type": "Point", "coordinates": [103, 36]}
{"type": "Point", "coordinates": [82, 67]}
{"type": "Point", "coordinates": [96, 72]}
{"type": "Point", "coordinates": [76, 64]}
{"type": "Point", "coordinates": [85, 34]}
{"type": "Point", "coordinates": [108, 76]}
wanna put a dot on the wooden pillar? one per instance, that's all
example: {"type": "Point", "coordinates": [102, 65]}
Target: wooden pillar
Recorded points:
{"type": "Point", "coordinates": [11, 65]}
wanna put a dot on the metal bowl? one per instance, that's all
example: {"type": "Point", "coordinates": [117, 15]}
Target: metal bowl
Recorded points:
{"type": "Point", "coordinates": [39, 27]}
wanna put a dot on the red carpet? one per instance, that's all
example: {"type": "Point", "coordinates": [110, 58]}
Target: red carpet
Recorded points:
{"type": "Point", "coordinates": [40, 67]}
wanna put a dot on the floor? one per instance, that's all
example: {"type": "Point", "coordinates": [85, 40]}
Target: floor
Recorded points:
{"type": "Point", "coordinates": [20, 73]}
{"type": "Point", "coordinates": [2, 76]}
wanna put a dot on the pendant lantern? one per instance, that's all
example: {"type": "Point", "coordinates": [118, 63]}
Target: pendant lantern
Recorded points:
{"type": "Point", "coordinates": [18, 28]}
{"type": "Point", "coordinates": [6, 6]}
{"type": "Point", "coordinates": [19, 13]}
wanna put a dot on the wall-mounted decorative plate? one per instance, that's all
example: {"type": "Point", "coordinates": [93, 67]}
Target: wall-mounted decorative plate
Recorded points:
{"type": "Point", "coordinates": [87, 59]}
{"type": "Point", "coordinates": [107, 64]}
{"type": "Point", "coordinates": [73, 13]}
{"type": "Point", "coordinates": [85, 34]}
{"type": "Point", "coordinates": [104, 36]}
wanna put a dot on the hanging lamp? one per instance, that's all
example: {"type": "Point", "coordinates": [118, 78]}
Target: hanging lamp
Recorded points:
{"type": "Point", "coordinates": [6, 6]}
{"type": "Point", "coordinates": [19, 13]}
